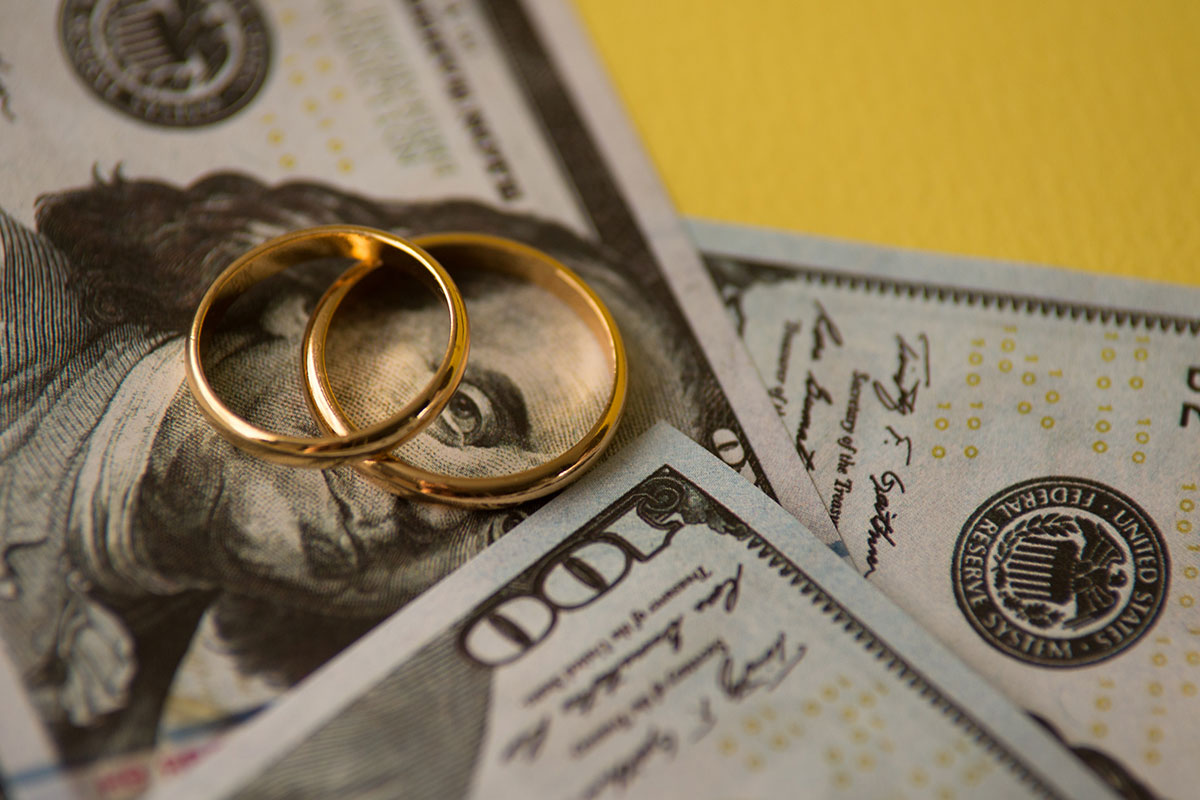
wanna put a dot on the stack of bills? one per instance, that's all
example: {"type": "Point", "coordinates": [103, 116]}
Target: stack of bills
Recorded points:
{"type": "Point", "coordinates": [875, 524]}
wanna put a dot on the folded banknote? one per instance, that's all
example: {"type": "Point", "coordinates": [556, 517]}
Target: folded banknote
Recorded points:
{"type": "Point", "coordinates": [663, 629]}
{"type": "Point", "coordinates": [1012, 453]}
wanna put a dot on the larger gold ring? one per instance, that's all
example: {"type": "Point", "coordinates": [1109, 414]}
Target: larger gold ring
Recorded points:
{"type": "Point", "coordinates": [476, 251]}
{"type": "Point", "coordinates": [371, 248]}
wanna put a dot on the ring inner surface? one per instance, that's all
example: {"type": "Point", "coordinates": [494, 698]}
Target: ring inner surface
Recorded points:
{"type": "Point", "coordinates": [539, 377]}
{"type": "Point", "coordinates": [255, 327]}
{"type": "Point", "coordinates": [251, 338]}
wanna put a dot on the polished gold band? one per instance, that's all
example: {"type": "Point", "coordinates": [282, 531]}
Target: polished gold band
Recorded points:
{"type": "Point", "coordinates": [476, 251]}
{"type": "Point", "coordinates": [371, 248]}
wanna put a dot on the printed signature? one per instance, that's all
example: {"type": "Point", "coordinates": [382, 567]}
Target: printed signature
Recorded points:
{"type": "Point", "coordinates": [912, 371]}
{"type": "Point", "coordinates": [899, 440]}
{"type": "Point", "coordinates": [881, 523]}
{"type": "Point", "coordinates": [821, 328]}
{"type": "Point", "coordinates": [624, 772]}
{"type": "Point", "coordinates": [611, 679]}
{"type": "Point", "coordinates": [528, 742]}
{"type": "Point", "coordinates": [730, 588]}
{"type": "Point", "coordinates": [766, 671]}
{"type": "Point", "coordinates": [813, 392]}
{"type": "Point", "coordinates": [734, 681]}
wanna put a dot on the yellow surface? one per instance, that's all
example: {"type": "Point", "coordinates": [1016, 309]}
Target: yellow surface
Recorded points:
{"type": "Point", "coordinates": [1057, 132]}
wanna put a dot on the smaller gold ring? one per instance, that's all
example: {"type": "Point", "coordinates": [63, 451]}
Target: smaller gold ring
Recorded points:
{"type": "Point", "coordinates": [369, 247]}
{"type": "Point", "coordinates": [476, 251]}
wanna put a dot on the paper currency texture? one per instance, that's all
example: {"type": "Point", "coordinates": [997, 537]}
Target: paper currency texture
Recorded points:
{"type": "Point", "coordinates": [661, 630]}
{"type": "Point", "coordinates": [1010, 453]}
{"type": "Point", "coordinates": [157, 584]}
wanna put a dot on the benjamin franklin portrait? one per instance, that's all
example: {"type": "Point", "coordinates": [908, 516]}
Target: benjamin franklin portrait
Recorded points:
{"type": "Point", "coordinates": [126, 522]}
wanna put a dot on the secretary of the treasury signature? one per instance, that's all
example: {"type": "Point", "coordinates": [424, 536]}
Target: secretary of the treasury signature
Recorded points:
{"type": "Point", "coordinates": [912, 371]}
{"type": "Point", "coordinates": [881, 523]}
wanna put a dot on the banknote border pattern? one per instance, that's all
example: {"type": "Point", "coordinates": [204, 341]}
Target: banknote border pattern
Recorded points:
{"type": "Point", "coordinates": [615, 223]}
{"type": "Point", "coordinates": [983, 298]}
{"type": "Point", "coordinates": [666, 492]}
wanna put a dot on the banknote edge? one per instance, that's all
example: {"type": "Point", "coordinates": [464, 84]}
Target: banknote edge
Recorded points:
{"type": "Point", "coordinates": [1066, 293]}
{"type": "Point", "coordinates": [604, 117]}
{"type": "Point", "coordinates": [1038, 761]}
{"type": "Point", "coordinates": [652, 218]}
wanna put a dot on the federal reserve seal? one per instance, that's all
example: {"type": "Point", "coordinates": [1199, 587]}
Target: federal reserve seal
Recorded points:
{"type": "Point", "coordinates": [178, 63]}
{"type": "Point", "coordinates": [1060, 572]}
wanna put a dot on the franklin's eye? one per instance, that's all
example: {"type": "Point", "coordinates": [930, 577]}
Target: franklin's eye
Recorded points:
{"type": "Point", "coordinates": [469, 416]}
{"type": "Point", "coordinates": [488, 410]}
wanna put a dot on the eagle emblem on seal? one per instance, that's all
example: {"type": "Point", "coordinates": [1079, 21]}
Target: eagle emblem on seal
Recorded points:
{"type": "Point", "coordinates": [1059, 569]}
{"type": "Point", "coordinates": [178, 63]}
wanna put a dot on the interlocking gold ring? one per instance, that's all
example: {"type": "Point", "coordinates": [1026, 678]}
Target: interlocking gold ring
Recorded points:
{"type": "Point", "coordinates": [477, 251]}
{"type": "Point", "coordinates": [371, 248]}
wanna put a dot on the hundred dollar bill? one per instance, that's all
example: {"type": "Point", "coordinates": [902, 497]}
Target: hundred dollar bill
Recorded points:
{"type": "Point", "coordinates": [1011, 454]}
{"type": "Point", "coordinates": [660, 630]}
{"type": "Point", "coordinates": [157, 585]}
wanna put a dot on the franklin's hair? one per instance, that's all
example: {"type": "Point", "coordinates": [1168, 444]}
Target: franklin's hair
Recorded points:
{"type": "Point", "coordinates": [146, 251]}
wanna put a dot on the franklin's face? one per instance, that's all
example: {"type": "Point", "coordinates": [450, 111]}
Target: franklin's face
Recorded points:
{"type": "Point", "coordinates": [328, 539]}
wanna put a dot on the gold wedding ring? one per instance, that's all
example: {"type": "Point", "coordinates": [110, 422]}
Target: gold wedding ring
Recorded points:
{"type": "Point", "coordinates": [475, 251]}
{"type": "Point", "coordinates": [371, 248]}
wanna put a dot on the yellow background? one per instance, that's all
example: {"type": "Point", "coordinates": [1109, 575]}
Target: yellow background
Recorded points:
{"type": "Point", "coordinates": [1064, 133]}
